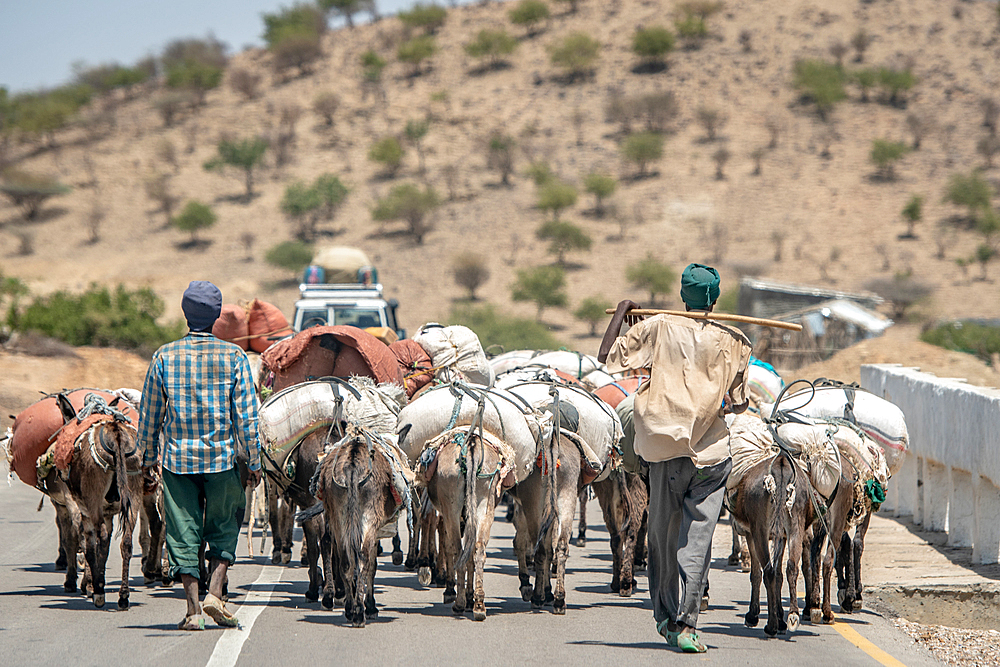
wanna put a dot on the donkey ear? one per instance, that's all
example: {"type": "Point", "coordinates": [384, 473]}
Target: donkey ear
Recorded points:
{"type": "Point", "coordinates": [114, 401]}
{"type": "Point", "coordinates": [65, 407]}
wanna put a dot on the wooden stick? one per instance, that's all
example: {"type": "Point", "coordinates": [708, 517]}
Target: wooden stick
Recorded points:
{"type": "Point", "coordinates": [701, 315]}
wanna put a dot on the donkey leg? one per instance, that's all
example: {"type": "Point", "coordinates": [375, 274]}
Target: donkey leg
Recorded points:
{"type": "Point", "coordinates": [752, 617]}
{"type": "Point", "coordinates": [616, 561]}
{"type": "Point", "coordinates": [859, 548]}
{"type": "Point", "coordinates": [311, 530]}
{"type": "Point", "coordinates": [326, 547]}
{"type": "Point", "coordinates": [485, 525]}
{"type": "Point", "coordinates": [97, 558]}
{"type": "Point", "coordinates": [792, 574]}
{"type": "Point", "coordinates": [581, 538]}
{"type": "Point", "coordinates": [371, 610]}
{"type": "Point", "coordinates": [69, 542]}
{"type": "Point", "coordinates": [561, 553]}
{"type": "Point", "coordinates": [126, 551]}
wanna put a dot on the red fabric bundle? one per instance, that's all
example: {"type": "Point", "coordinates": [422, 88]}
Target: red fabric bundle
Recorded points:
{"type": "Point", "coordinates": [415, 363]}
{"type": "Point", "coordinates": [266, 323]}
{"type": "Point", "coordinates": [615, 393]}
{"type": "Point", "coordinates": [233, 326]}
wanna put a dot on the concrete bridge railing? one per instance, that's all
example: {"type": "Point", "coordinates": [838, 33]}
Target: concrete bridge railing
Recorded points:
{"type": "Point", "coordinates": [950, 479]}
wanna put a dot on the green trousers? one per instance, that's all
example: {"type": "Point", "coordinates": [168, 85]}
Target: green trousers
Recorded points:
{"type": "Point", "coordinates": [206, 506]}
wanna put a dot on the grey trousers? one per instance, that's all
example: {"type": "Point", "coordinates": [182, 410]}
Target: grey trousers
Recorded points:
{"type": "Point", "coordinates": [684, 507]}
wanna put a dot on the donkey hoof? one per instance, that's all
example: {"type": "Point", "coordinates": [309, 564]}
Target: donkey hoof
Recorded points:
{"type": "Point", "coordinates": [148, 581]}
{"type": "Point", "coordinates": [793, 622]}
{"type": "Point", "coordinates": [424, 576]}
{"type": "Point", "coordinates": [770, 631]}
{"type": "Point", "coordinates": [397, 557]}
{"type": "Point", "coordinates": [704, 603]}
{"type": "Point", "coordinates": [559, 606]}
{"type": "Point", "coordinates": [625, 592]}
{"type": "Point", "coordinates": [734, 559]}
{"type": "Point", "coordinates": [410, 564]}
{"type": "Point", "coordinates": [841, 596]}
{"type": "Point", "coordinates": [69, 587]}
{"type": "Point", "coordinates": [450, 597]}
{"type": "Point", "coordinates": [526, 592]}
{"type": "Point", "coordinates": [816, 616]}
{"type": "Point", "coordinates": [275, 557]}
{"type": "Point", "coordinates": [751, 621]}
{"type": "Point", "coordinates": [479, 614]}
{"type": "Point", "coordinates": [327, 602]}
{"type": "Point", "coordinates": [286, 557]}
{"type": "Point", "coordinates": [99, 600]}
{"type": "Point", "coordinates": [340, 601]}
{"type": "Point", "coordinates": [312, 596]}
{"type": "Point", "coordinates": [829, 620]}
{"type": "Point", "coordinates": [122, 603]}
{"type": "Point", "coordinates": [457, 609]}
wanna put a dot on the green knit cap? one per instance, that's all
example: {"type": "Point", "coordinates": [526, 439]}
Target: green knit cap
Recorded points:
{"type": "Point", "coordinates": [699, 286]}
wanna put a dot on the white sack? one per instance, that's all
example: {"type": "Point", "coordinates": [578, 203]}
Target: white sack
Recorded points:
{"type": "Point", "coordinates": [457, 349]}
{"type": "Point", "coordinates": [764, 386]}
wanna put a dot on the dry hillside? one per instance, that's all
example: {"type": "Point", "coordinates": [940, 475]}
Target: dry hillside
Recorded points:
{"type": "Point", "coordinates": [836, 223]}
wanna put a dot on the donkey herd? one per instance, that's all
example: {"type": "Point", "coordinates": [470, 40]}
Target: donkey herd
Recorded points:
{"type": "Point", "coordinates": [348, 458]}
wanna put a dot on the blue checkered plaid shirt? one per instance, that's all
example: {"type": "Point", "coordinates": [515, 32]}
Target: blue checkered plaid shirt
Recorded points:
{"type": "Point", "coordinates": [199, 395]}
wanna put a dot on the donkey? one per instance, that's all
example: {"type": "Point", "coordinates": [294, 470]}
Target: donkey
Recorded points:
{"type": "Point", "coordinates": [623, 498]}
{"type": "Point", "coordinates": [357, 484]}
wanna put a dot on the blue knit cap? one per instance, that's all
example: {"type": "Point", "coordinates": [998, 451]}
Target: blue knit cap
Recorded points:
{"type": "Point", "coordinates": [699, 286]}
{"type": "Point", "coordinates": [202, 305]}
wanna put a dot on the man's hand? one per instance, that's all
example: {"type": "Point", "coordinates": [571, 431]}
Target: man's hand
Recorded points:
{"type": "Point", "coordinates": [150, 478]}
{"type": "Point", "coordinates": [615, 326]}
{"type": "Point", "coordinates": [253, 478]}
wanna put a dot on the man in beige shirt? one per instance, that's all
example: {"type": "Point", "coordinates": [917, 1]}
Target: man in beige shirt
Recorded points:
{"type": "Point", "coordinates": [698, 371]}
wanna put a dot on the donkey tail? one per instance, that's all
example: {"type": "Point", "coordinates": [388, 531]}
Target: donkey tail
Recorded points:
{"type": "Point", "coordinates": [782, 499]}
{"type": "Point", "coordinates": [123, 439]}
{"type": "Point", "coordinates": [470, 534]}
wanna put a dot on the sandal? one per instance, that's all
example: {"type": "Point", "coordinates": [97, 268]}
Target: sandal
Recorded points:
{"type": "Point", "coordinates": [690, 642]}
{"type": "Point", "coordinates": [192, 623]}
{"type": "Point", "coordinates": [669, 635]}
{"type": "Point", "coordinates": [216, 608]}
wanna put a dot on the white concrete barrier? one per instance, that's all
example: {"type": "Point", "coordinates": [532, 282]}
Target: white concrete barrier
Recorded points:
{"type": "Point", "coordinates": [950, 480]}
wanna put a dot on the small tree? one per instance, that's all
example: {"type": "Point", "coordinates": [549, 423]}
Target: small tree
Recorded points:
{"type": "Point", "coordinates": [429, 17]}
{"type": "Point", "coordinates": [563, 237]}
{"type": "Point", "coordinates": [415, 51]}
{"type": "Point", "coordinates": [984, 253]}
{"type": "Point", "coordinates": [170, 106]}
{"type": "Point", "coordinates": [838, 50]}
{"type": "Point", "coordinates": [293, 256]}
{"type": "Point", "coordinates": [500, 155]}
{"type": "Point", "coordinates": [346, 8]}
{"type": "Point", "coordinates": [757, 155]}
{"type": "Point", "coordinates": [556, 196]}
{"type": "Point", "coordinates": [542, 285]}
{"type": "Point", "coordinates": [712, 120]}
{"type": "Point", "coordinates": [652, 44]}
{"type": "Point", "coordinates": [865, 78]}
{"type": "Point", "coordinates": [641, 149]}
{"type": "Point", "coordinates": [601, 186]}
{"type": "Point", "coordinates": [530, 14]}
{"type": "Point", "coordinates": [971, 191]}
{"type": "Point", "coordinates": [991, 114]}
{"type": "Point", "coordinates": [29, 191]}
{"type": "Point", "coordinates": [652, 275]}
{"type": "Point", "coordinates": [988, 147]}
{"type": "Point", "coordinates": [470, 272]}
{"type": "Point", "coordinates": [372, 65]}
{"type": "Point", "coordinates": [245, 155]}
{"type": "Point", "coordinates": [300, 49]}
{"type": "Point", "coordinates": [301, 204]}
{"type": "Point", "coordinates": [167, 153]}
{"type": "Point", "coordinates": [895, 83]}
{"type": "Point", "coordinates": [388, 152]}
{"type": "Point", "coordinates": [576, 54]}
{"type": "Point", "coordinates": [721, 157]}
{"type": "Point", "coordinates": [158, 190]}
{"type": "Point", "coordinates": [245, 82]}
{"type": "Point", "coordinates": [193, 217]}
{"type": "Point", "coordinates": [325, 106]}
{"type": "Point", "coordinates": [692, 29]}
{"type": "Point", "coordinates": [901, 291]}
{"type": "Point", "coordinates": [332, 194]}
{"type": "Point", "coordinates": [820, 82]}
{"type": "Point", "coordinates": [415, 132]}
{"type": "Point", "coordinates": [861, 40]}
{"type": "Point", "coordinates": [540, 173]}
{"type": "Point", "coordinates": [885, 154]}
{"type": "Point", "coordinates": [492, 44]}
{"type": "Point", "coordinates": [919, 125]}
{"type": "Point", "coordinates": [196, 77]}
{"type": "Point", "coordinates": [591, 310]}
{"type": "Point", "coordinates": [912, 213]}
{"type": "Point", "coordinates": [407, 202]}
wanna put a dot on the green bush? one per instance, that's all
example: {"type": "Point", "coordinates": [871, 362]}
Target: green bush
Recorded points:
{"type": "Point", "coordinates": [529, 13]}
{"type": "Point", "coordinates": [407, 202]}
{"type": "Point", "coordinates": [692, 28]}
{"type": "Point", "coordinates": [194, 216]}
{"type": "Point", "coordinates": [291, 255]}
{"type": "Point", "coordinates": [244, 155]}
{"type": "Point", "coordinates": [415, 51]}
{"type": "Point", "coordinates": [196, 77]}
{"type": "Point", "coordinates": [865, 78]}
{"type": "Point", "coordinates": [821, 82]}
{"type": "Point", "coordinates": [969, 337]}
{"type": "Point", "coordinates": [540, 173]}
{"type": "Point", "coordinates": [576, 54]}
{"type": "Point", "coordinates": [492, 44]}
{"type": "Point", "coordinates": [591, 310]}
{"type": "Point", "coordinates": [912, 213]}
{"type": "Point", "coordinates": [652, 275]}
{"type": "Point", "coordinates": [543, 285]}
{"type": "Point", "coordinates": [429, 17]}
{"type": "Point", "coordinates": [297, 20]}
{"type": "Point", "coordinates": [885, 154]}
{"type": "Point", "coordinates": [372, 65]}
{"type": "Point", "coordinates": [332, 193]}
{"type": "Point", "coordinates": [29, 191]}
{"type": "Point", "coordinates": [388, 152]}
{"type": "Point", "coordinates": [895, 83]}
{"type": "Point", "coordinates": [301, 203]}
{"type": "Point", "coordinates": [122, 318]}
{"type": "Point", "coordinates": [500, 155]}
{"type": "Point", "coordinates": [642, 148]}
{"type": "Point", "coordinates": [470, 271]}
{"type": "Point", "coordinates": [346, 8]}
{"type": "Point", "coordinates": [504, 330]}
{"type": "Point", "coordinates": [563, 237]}
{"type": "Point", "coordinates": [209, 51]}
{"type": "Point", "coordinates": [297, 49]}
{"type": "Point", "coordinates": [555, 196]}
{"type": "Point", "coordinates": [601, 186]}
{"type": "Point", "coordinates": [652, 43]}
{"type": "Point", "coordinates": [970, 190]}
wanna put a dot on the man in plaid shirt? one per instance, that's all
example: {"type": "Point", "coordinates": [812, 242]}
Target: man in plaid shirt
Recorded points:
{"type": "Point", "coordinates": [199, 398]}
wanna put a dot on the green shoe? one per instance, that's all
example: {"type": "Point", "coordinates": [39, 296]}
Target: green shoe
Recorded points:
{"type": "Point", "coordinates": [690, 643]}
{"type": "Point", "coordinates": [669, 635]}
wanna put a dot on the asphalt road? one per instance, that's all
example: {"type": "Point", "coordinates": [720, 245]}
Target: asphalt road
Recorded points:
{"type": "Point", "coordinates": [40, 624]}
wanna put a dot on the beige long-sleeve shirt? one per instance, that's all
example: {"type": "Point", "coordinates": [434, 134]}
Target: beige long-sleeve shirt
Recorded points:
{"type": "Point", "coordinates": [693, 365]}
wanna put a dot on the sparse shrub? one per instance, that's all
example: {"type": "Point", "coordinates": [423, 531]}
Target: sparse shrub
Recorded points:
{"type": "Point", "coordinates": [301, 204]}
{"type": "Point", "coordinates": [865, 78]}
{"type": "Point", "coordinates": [346, 8]}
{"type": "Point", "coordinates": [245, 82]}
{"type": "Point", "coordinates": [902, 292]}
{"type": "Point", "coordinates": [530, 14]}
{"type": "Point", "coordinates": [540, 173]}
{"type": "Point", "coordinates": [821, 82]}
{"type": "Point", "coordinates": [159, 191]}
{"type": "Point", "coordinates": [991, 114]}
{"type": "Point", "coordinates": [388, 152]}
{"type": "Point", "coordinates": [988, 147]}
{"type": "Point", "coordinates": [415, 132]}
{"type": "Point", "coordinates": [492, 45]}
{"type": "Point", "coordinates": [29, 191]}
{"type": "Point", "coordinates": [692, 29]}
{"type": "Point", "coordinates": [170, 106]}
{"type": "Point", "coordinates": [577, 54]}
{"type": "Point", "coordinates": [720, 157]}
{"type": "Point", "coordinates": [555, 195]}
{"type": "Point", "coordinates": [984, 253]}
{"type": "Point", "coordinates": [93, 220]}
{"type": "Point", "coordinates": [641, 149]}
{"type": "Point", "coordinates": [500, 155]}
{"type": "Point", "coordinates": [196, 77]}
{"type": "Point", "coordinates": [542, 285]}
{"type": "Point", "coordinates": [573, 5]}
{"type": "Point", "coordinates": [659, 110]}
{"type": "Point", "coordinates": [470, 272]}
{"type": "Point", "coordinates": [861, 40]}
{"type": "Point", "coordinates": [651, 275]}
{"type": "Point", "coordinates": [773, 125]}
{"type": "Point", "coordinates": [912, 213]}
{"type": "Point", "coordinates": [969, 190]}
{"type": "Point", "coordinates": [300, 50]}
{"type": "Point", "coordinates": [601, 186]}
{"type": "Point", "coordinates": [415, 51]}
{"type": "Point", "coordinates": [193, 217]}
{"type": "Point", "coordinates": [838, 50]}
{"type": "Point", "coordinates": [711, 119]}
{"type": "Point", "coordinates": [919, 125]}
{"type": "Point", "coordinates": [758, 155]}
{"type": "Point", "coordinates": [409, 203]}
{"type": "Point", "coordinates": [503, 330]}
{"type": "Point", "coordinates": [895, 83]}
{"type": "Point", "coordinates": [247, 239]}
{"type": "Point", "coordinates": [167, 153]}
{"type": "Point", "coordinates": [332, 194]}
{"type": "Point", "coordinates": [591, 310]}
{"type": "Point", "coordinates": [208, 51]}
{"type": "Point", "coordinates": [652, 44]}
{"type": "Point", "coordinates": [701, 8]}
{"type": "Point", "coordinates": [969, 337]}
{"type": "Point", "coordinates": [429, 17]}
{"type": "Point", "coordinates": [885, 154]}
{"type": "Point", "coordinates": [746, 40]}
{"type": "Point", "coordinates": [325, 106]}
{"type": "Point", "coordinates": [372, 65]}
{"type": "Point", "coordinates": [563, 237]}
{"type": "Point", "coordinates": [244, 155]}
{"type": "Point", "coordinates": [298, 19]}
{"type": "Point", "coordinates": [292, 256]}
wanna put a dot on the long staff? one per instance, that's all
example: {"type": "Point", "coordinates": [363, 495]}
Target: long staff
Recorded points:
{"type": "Point", "coordinates": [701, 315]}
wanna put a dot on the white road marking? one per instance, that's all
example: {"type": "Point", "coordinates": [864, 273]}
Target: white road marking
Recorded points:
{"type": "Point", "coordinates": [227, 649]}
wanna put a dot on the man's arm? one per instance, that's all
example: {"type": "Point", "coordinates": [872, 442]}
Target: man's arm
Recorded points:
{"type": "Point", "coordinates": [151, 409]}
{"type": "Point", "coordinates": [244, 409]}
{"type": "Point", "coordinates": [614, 327]}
